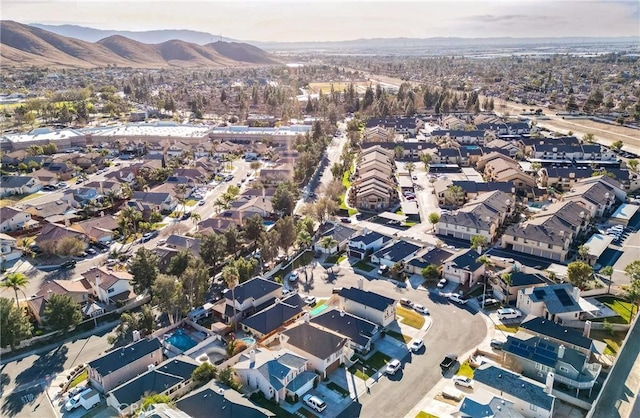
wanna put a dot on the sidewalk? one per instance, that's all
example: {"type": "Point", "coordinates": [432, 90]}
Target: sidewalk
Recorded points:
{"type": "Point", "coordinates": [36, 351]}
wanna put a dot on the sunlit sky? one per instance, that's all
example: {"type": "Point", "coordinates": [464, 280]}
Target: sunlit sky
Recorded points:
{"type": "Point", "coordinates": [333, 20]}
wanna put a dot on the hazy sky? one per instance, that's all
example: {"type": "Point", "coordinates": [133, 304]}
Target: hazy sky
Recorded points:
{"type": "Point", "coordinates": [329, 20]}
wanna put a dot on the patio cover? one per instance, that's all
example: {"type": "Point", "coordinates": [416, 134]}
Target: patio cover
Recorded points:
{"type": "Point", "coordinates": [392, 216]}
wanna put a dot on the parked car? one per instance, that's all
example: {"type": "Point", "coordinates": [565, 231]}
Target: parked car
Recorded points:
{"type": "Point", "coordinates": [310, 300]}
{"type": "Point", "coordinates": [497, 344]}
{"type": "Point", "coordinates": [185, 216]}
{"type": "Point", "coordinates": [69, 264]}
{"type": "Point", "coordinates": [416, 345]}
{"type": "Point", "coordinates": [406, 302]}
{"type": "Point", "coordinates": [293, 277]}
{"type": "Point", "coordinates": [383, 269]}
{"type": "Point", "coordinates": [314, 402]}
{"type": "Point", "coordinates": [91, 251]}
{"type": "Point", "coordinates": [448, 361]}
{"type": "Point", "coordinates": [459, 380]}
{"type": "Point", "coordinates": [421, 309]}
{"type": "Point", "coordinates": [509, 313]}
{"type": "Point", "coordinates": [201, 203]}
{"type": "Point", "coordinates": [393, 366]}
{"type": "Point", "coordinates": [454, 297]}
{"type": "Point", "coordinates": [442, 283]}
{"type": "Point", "coordinates": [345, 220]}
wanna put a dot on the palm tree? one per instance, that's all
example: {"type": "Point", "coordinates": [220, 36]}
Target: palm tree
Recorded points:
{"type": "Point", "coordinates": [195, 217]}
{"type": "Point", "coordinates": [410, 167]}
{"type": "Point", "coordinates": [16, 281]}
{"type": "Point", "coordinates": [327, 242]}
{"type": "Point", "coordinates": [506, 278]}
{"type": "Point", "coordinates": [633, 296]}
{"type": "Point", "coordinates": [607, 271]}
{"type": "Point", "coordinates": [231, 276]}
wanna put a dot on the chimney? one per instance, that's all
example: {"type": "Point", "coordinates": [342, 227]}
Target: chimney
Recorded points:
{"type": "Point", "coordinates": [561, 352]}
{"type": "Point", "coordinates": [150, 367]}
{"type": "Point", "coordinates": [587, 329]}
{"type": "Point", "coordinates": [548, 388]}
{"type": "Point", "coordinates": [252, 356]}
{"type": "Point", "coordinates": [97, 280]}
{"type": "Point", "coordinates": [306, 317]}
{"type": "Point", "coordinates": [136, 335]}
{"type": "Point", "coordinates": [341, 313]}
{"type": "Point", "coordinates": [361, 283]}
{"type": "Point", "coordinates": [365, 231]}
{"type": "Point", "coordinates": [576, 294]}
{"type": "Point", "coordinates": [479, 249]}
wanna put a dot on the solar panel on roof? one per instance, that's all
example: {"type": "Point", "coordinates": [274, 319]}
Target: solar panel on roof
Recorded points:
{"type": "Point", "coordinates": [563, 297]}
{"type": "Point", "coordinates": [539, 293]}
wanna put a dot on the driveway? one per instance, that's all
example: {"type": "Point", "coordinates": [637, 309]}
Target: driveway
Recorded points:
{"type": "Point", "coordinates": [391, 347]}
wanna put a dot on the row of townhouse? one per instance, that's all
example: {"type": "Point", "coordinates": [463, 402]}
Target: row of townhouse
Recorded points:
{"type": "Point", "coordinates": [563, 178]}
{"type": "Point", "coordinates": [482, 215]}
{"type": "Point", "coordinates": [470, 190]}
{"type": "Point", "coordinates": [374, 186]}
{"type": "Point", "coordinates": [405, 126]}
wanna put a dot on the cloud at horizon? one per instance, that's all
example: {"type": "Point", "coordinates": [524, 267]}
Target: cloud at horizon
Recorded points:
{"type": "Point", "coordinates": [333, 20]}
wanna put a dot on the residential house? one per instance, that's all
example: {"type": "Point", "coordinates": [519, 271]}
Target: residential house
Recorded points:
{"type": "Point", "coordinates": [124, 175]}
{"type": "Point", "coordinates": [269, 320]}
{"type": "Point", "coordinates": [484, 404]}
{"type": "Point", "coordinates": [227, 403]}
{"type": "Point", "coordinates": [378, 134]}
{"type": "Point", "coordinates": [360, 332]}
{"type": "Point", "coordinates": [374, 187]}
{"type": "Point", "coordinates": [248, 297]}
{"type": "Point", "coordinates": [596, 194]}
{"type": "Point", "coordinates": [172, 378]}
{"type": "Point", "coordinates": [148, 202]}
{"type": "Point", "coordinates": [569, 337]}
{"type": "Point", "coordinates": [496, 128]}
{"type": "Point", "coordinates": [463, 268]}
{"type": "Point", "coordinates": [12, 219]}
{"type": "Point", "coordinates": [277, 375]}
{"type": "Point", "coordinates": [59, 211]}
{"type": "Point", "coordinates": [406, 126]}
{"type": "Point", "coordinates": [376, 308]}
{"type": "Point", "coordinates": [395, 252]}
{"type": "Point", "coordinates": [536, 357]}
{"type": "Point", "coordinates": [507, 291]}
{"type": "Point", "coordinates": [557, 303]}
{"type": "Point", "coordinates": [51, 234]}
{"type": "Point", "coordinates": [75, 289]}
{"type": "Point", "coordinates": [105, 188]}
{"type": "Point", "coordinates": [504, 147]}
{"type": "Point", "coordinates": [18, 185]}
{"type": "Point", "coordinates": [99, 229]}
{"type": "Point", "coordinates": [435, 256]}
{"type": "Point", "coordinates": [324, 350]}
{"type": "Point", "coordinates": [475, 137]}
{"type": "Point", "coordinates": [483, 215]}
{"type": "Point", "coordinates": [123, 364]}
{"type": "Point", "coordinates": [506, 169]}
{"type": "Point", "coordinates": [362, 245]}
{"type": "Point", "coordinates": [9, 250]}
{"type": "Point", "coordinates": [446, 156]}
{"type": "Point", "coordinates": [110, 287]}
{"type": "Point", "coordinates": [530, 398]}
{"type": "Point", "coordinates": [340, 233]}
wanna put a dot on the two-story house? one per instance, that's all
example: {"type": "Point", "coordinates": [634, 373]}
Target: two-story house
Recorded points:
{"type": "Point", "coordinates": [12, 219]}
{"type": "Point", "coordinates": [557, 303]}
{"type": "Point", "coordinates": [463, 268]}
{"type": "Point", "coordinates": [109, 286]}
{"type": "Point", "coordinates": [9, 250]}
{"type": "Point", "coordinates": [249, 297]}
{"type": "Point", "coordinates": [368, 242]}
{"type": "Point", "coordinates": [376, 308]}
{"type": "Point", "coordinates": [18, 185]}
{"type": "Point", "coordinates": [324, 350]}
{"type": "Point", "coordinates": [276, 374]}
{"type": "Point", "coordinates": [397, 251]}
{"type": "Point", "coordinates": [267, 321]}
{"type": "Point", "coordinates": [148, 202]}
{"type": "Point", "coordinates": [121, 365]}
{"type": "Point", "coordinates": [360, 332]}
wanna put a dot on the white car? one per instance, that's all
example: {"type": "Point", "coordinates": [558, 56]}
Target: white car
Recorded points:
{"type": "Point", "coordinates": [294, 276]}
{"type": "Point", "coordinates": [442, 283]}
{"type": "Point", "coordinates": [509, 313]}
{"type": "Point", "coordinates": [459, 380]}
{"type": "Point", "coordinates": [416, 345]}
{"type": "Point", "coordinates": [393, 366]}
{"type": "Point", "coordinates": [454, 297]}
{"type": "Point", "coordinates": [314, 402]}
{"type": "Point", "coordinates": [420, 309]}
{"type": "Point", "coordinates": [310, 300]}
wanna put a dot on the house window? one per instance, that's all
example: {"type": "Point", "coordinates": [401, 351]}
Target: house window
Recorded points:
{"type": "Point", "coordinates": [564, 369]}
{"type": "Point", "coordinates": [533, 407]}
{"type": "Point", "coordinates": [111, 290]}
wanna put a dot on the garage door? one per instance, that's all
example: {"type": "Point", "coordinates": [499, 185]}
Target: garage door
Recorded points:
{"type": "Point", "coordinates": [333, 367]}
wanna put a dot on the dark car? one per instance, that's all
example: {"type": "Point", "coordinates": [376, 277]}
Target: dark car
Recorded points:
{"type": "Point", "coordinates": [497, 344]}
{"type": "Point", "coordinates": [448, 362]}
{"type": "Point", "coordinates": [185, 216]}
{"type": "Point", "coordinates": [69, 264]}
{"type": "Point", "coordinates": [346, 220]}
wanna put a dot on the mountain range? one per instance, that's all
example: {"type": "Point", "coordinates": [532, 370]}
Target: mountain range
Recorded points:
{"type": "Point", "coordinates": [395, 46]}
{"type": "Point", "coordinates": [25, 46]}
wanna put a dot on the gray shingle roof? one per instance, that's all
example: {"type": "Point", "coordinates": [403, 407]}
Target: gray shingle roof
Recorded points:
{"type": "Point", "coordinates": [117, 359]}
{"type": "Point", "coordinates": [466, 260]}
{"type": "Point", "coordinates": [10, 182]}
{"type": "Point", "coordinates": [201, 404]}
{"type": "Point", "coordinates": [370, 299]}
{"type": "Point", "coordinates": [273, 317]}
{"type": "Point", "coordinates": [369, 237]}
{"type": "Point", "coordinates": [314, 341]}
{"type": "Point", "coordinates": [254, 288]}
{"type": "Point", "coordinates": [397, 251]}
{"type": "Point", "coordinates": [514, 385]}
{"type": "Point", "coordinates": [356, 329]}
{"type": "Point", "coordinates": [541, 326]}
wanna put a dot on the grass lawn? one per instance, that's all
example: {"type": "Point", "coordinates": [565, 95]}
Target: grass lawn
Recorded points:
{"type": "Point", "coordinates": [377, 360]}
{"type": "Point", "coordinates": [357, 372]}
{"type": "Point", "coordinates": [158, 226]}
{"type": "Point", "coordinates": [466, 370]}
{"type": "Point", "coordinates": [508, 328]}
{"type": "Point", "coordinates": [411, 318]}
{"type": "Point", "coordinates": [620, 307]}
{"type": "Point", "coordinates": [423, 414]}
{"type": "Point", "coordinates": [400, 337]}
{"type": "Point", "coordinates": [345, 179]}
{"type": "Point", "coordinates": [612, 339]}
{"type": "Point", "coordinates": [409, 224]}
{"type": "Point", "coordinates": [191, 202]}
{"type": "Point", "coordinates": [362, 265]}
{"type": "Point", "coordinates": [81, 378]}
{"type": "Point", "coordinates": [336, 258]}
{"type": "Point", "coordinates": [32, 196]}
{"type": "Point", "coordinates": [271, 406]}
{"type": "Point", "coordinates": [338, 389]}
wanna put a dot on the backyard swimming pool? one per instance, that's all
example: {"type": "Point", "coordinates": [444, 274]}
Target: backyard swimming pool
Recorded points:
{"type": "Point", "coordinates": [318, 310]}
{"type": "Point", "coordinates": [181, 340]}
{"type": "Point", "coordinates": [248, 341]}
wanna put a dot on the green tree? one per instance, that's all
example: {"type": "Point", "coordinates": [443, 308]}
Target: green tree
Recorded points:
{"type": "Point", "coordinates": [431, 272]}
{"type": "Point", "coordinates": [287, 233]}
{"type": "Point", "coordinates": [434, 218]}
{"type": "Point", "coordinates": [179, 263]}
{"type": "Point", "coordinates": [213, 248]}
{"type": "Point", "coordinates": [227, 377]}
{"type": "Point", "coordinates": [144, 269]}
{"type": "Point", "coordinates": [608, 272]}
{"type": "Point", "coordinates": [195, 281]}
{"type": "Point", "coordinates": [203, 374]}
{"type": "Point", "coordinates": [284, 198]}
{"type": "Point", "coordinates": [616, 145]}
{"type": "Point", "coordinates": [231, 278]}
{"type": "Point", "coordinates": [14, 325]}
{"type": "Point", "coordinates": [303, 239]}
{"type": "Point", "coordinates": [268, 245]}
{"type": "Point", "coordinates": [253, 227]}
{"type": "Point", "coordinates": [454, 195]}
{"type": "Point", "coordinates": [168, 296]}
{"type": "Point", "coordinates": [70, 246]}
{"type": "Point", "coordinates": [478, 241]}
{"type": "Point", "coordinates": [327, 242]}
{"type": "Point", "coordinates": [233, 236]}
{"type": "Point", "coordinates": [153, 399]}
{"type": "Point", "coordinates": [15, 281]}
{"type": "Point", "coordinates": [633, 296]}
{"type": "Point", "coordinates": [506, 279]}
{"type": "Point", "coordinates": [579, 274]}
{"type": "Point", "coordinates": [147, 319]}
{"type": "Point", "coordinates": [633, 164]}
{"type": "Point", "coordinates": [410, 167]}
{"type": "Point", "coordinates": [589, 137]}
{"type": "Point", "coordinates": [583, 252]}
{"type": "Point", "coordinates": [632, 271]}
{"type": "Point", "coordinates": [62, 312]}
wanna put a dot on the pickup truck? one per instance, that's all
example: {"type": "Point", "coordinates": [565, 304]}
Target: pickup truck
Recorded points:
{"type": "Point", "coordinates": [449, 360]}
{"type": "Point", "coordinates": [88, 398]}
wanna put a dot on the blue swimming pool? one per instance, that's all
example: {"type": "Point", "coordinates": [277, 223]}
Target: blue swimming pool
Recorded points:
{"type": "Point", "coordinates": [181, 340]}
{"type": "Point", "coordinates": [268, 223]}
{"type": "Point", "coordinates": [248, 341]}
